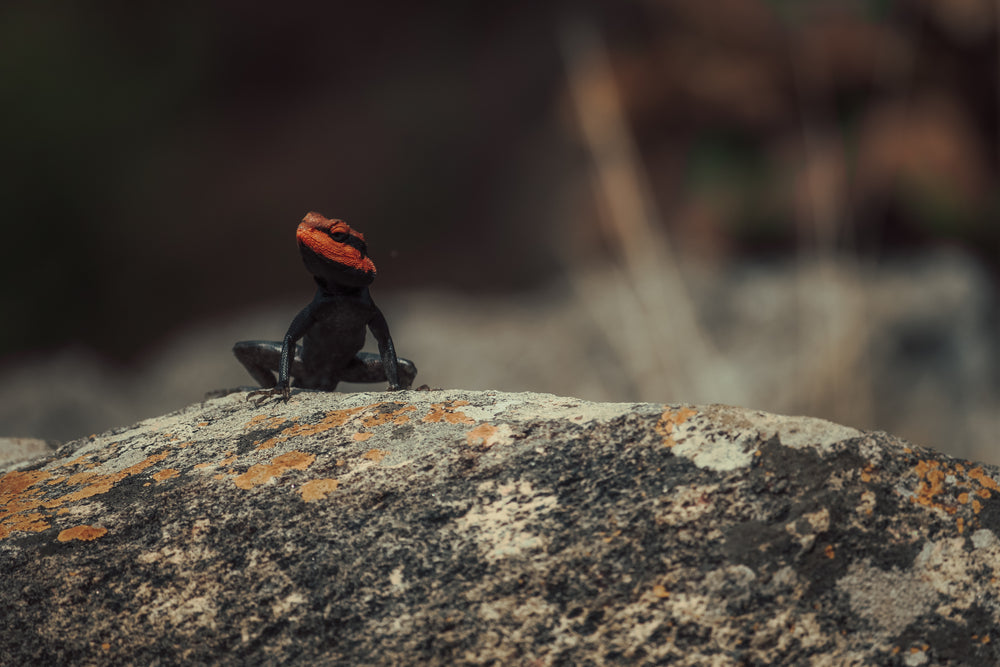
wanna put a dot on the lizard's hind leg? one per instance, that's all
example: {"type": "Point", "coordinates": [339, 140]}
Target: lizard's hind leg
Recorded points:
{"type": "Point", "coordinates": [261, 359]}
{"type": "Point", "coordinates": [367, 367]}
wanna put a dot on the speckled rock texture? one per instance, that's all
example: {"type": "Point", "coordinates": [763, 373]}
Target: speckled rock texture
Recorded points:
{"type": "Point", "coordinates": [454, 527]}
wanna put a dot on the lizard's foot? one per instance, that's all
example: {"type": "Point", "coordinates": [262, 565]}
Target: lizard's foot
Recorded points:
{"type": "Point", "coordinates": [262, 396]}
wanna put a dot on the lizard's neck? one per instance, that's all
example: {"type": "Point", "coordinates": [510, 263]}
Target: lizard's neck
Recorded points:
{"type": "Point", "coordinates": [334, 276]}
{"type": "Point", "coordinates": [330, 288]}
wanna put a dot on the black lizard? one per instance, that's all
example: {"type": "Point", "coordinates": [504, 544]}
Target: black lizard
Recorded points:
{"type": "Point", "coordinates": [332, 327]}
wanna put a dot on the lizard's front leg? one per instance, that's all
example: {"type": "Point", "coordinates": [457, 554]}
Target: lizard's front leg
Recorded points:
{"type": "Point", "coordinates": [287, 352]}
{"type": "Point", "coordinates": [387, 351]}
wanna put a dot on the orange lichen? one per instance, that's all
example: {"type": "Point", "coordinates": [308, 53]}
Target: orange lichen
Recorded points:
{"type": "Point", "coordinates": [84, 533]}
{"type": "Point", "coordinates": [333, 419]}
{"type": "Point", "coordinates": [268, 421]}
{"type": "Point", "coordinates": [317, 489]}
{"type": "Point", "coordinates": [828, 551]}
{"type": "Point", "coordinates": [97, 488]}
{"type": "Point", "coordinates": [80, 460]}
{"type": "Point", "coordinates": [20, 498]}
{"type": "Point", "coordinates": [668, 420]}
{"type": "Point", "coordinates": [14, 483]}
{"type": "Point", "coordinates": [985, 480]}
{"type": "Point", "coordinates": [216, 464]}
{"type": "Point", "coordinates": [99, 484]}
{"type": "Point", "coordinates": [931, 485]}
{"type": "Point", "coordinates": [361, 437]}
{"type": "Point", "coordinates": [264, 472]}
{"type": "Point", "coordinates": [29, 523]}
{"type": "Point", "coordinates": [165, 474]}
{"type": "Point", "coordinates": [660, 592]}
{"type": "Point", "coordinates": [82, 477]}
{"type": "Point", "coordinates": [446, 412]}
{"type": "Point", "coordinates": [484, 435]}
{"type": "Point", "coordinates": [396, 417]}
{"type": "Point", "coordinates": [968, 488]}
{"type": "Point", "coordinates": [375, 455]}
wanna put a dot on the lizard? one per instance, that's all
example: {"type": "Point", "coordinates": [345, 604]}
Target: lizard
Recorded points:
{"type": "Point", "coordinates": [332, 326]}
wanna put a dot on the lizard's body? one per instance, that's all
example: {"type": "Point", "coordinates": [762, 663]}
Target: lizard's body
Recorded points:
{"type": "Point", "coordinates": [332, 327]}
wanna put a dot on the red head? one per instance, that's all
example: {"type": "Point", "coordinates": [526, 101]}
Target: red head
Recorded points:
{"type": "Point", "coordinates": [333, 252]}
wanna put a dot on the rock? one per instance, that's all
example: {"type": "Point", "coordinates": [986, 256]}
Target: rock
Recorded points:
{"type": "Point", "coordinates": [13, 450]}
{"type": "Point", "coordinates": [452, 527]}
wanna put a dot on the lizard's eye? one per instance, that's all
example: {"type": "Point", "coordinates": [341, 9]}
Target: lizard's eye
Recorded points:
{"type": "Point", "coordinates": [339, 237]}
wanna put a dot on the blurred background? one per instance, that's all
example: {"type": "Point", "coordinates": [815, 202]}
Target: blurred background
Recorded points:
{"type": "Point", "coordinates": [789, 206]}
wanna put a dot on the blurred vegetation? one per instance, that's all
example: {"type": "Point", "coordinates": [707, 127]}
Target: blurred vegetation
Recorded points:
{"type": "Point", "coordinates": [157, 158]}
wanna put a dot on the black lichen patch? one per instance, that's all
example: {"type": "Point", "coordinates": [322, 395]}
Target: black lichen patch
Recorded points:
{"type": "Point", "coordinates": [989, 516]}
{"type": "Point", "coordinates": [251, 440]}
{"type": "Point", "coordinates": [757, 543]}
{"type": "Point", "coordinates": [968, 640]}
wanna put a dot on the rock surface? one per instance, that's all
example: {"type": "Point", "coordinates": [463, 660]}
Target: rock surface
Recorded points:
{"type": "Point", "coordinates": [14, 450]}
{"type": "Point", "coordinates": [453, 527]}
